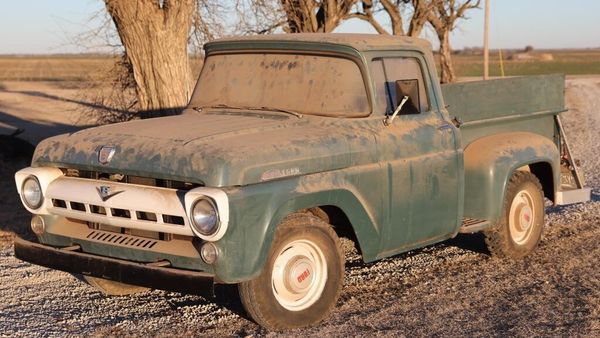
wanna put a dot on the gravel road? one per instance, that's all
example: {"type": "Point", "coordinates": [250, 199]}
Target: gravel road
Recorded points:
{"type": "Point", "coordinates": [450, 289]}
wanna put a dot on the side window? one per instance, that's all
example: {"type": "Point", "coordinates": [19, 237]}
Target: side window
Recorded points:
{"type": "Point", "coordinates": [405, 69]}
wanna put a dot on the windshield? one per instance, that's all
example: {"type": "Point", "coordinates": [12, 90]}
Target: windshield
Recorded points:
{"type": "Point", "coordinates": [307, 84]}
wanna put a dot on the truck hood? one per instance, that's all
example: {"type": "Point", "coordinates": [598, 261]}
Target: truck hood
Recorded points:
{"type": "Point", "coordinates": [213, 148]}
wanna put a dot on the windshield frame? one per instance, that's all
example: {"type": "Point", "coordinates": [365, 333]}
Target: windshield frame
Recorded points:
{"type": "Point", "coordinates": [359, 61]}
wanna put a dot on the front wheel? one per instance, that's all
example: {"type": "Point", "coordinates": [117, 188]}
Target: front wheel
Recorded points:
{"type": "Point", "coordinates": [520, 229]}
{"type": "Point", "coordinates": [302, 277]}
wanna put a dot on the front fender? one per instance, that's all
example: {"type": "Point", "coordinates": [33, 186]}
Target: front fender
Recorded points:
{"type": "Point", "coordinates": [490, 162]}
{"type": "Point", "coordinates": [256, 210]}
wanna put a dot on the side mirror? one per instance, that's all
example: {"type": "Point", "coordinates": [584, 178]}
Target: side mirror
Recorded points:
{"type": "Point", "coordinates": [408, 88]}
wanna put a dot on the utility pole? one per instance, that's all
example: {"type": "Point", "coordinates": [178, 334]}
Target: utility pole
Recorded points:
{"type": "Point", "coordinates": [486, 47]}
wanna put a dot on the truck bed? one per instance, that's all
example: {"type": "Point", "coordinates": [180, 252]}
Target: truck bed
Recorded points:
{"type": "Point", "coordinates": [526, 104]}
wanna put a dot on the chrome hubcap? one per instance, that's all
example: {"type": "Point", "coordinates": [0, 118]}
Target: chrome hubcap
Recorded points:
{"type": "Point", "coordinates": [521, 217]}
{"type": "Point", "coordinates": [299, 275]}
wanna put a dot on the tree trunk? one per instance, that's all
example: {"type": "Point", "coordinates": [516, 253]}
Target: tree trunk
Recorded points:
{"type": "Point", "coordinates": [310, 16]}
{"type": "Point", "coordinates": [155, 40]}
{"type": "Point", "coordinates": [393, 11]}
{"type": "Point", "coordinates": [421, 9]}
{"type": "Point", "coordinates": [448, 74]}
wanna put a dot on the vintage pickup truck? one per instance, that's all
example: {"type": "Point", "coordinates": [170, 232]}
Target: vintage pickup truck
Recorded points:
{"type": "Point", "coordinates": [289, 143]}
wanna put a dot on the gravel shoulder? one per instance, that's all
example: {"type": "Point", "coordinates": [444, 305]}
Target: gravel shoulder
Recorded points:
{"type": "Point", "coordinates": [450, 289]}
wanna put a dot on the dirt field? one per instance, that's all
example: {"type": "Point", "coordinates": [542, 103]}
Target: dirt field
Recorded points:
{"type": "Point", "coordinates": [451, 289]}
{"type": "Point", "coordinates": [41, 109]}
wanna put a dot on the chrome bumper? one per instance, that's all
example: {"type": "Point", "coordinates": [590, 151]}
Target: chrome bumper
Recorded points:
{"type": "Point", "coordinates": [151, 276]}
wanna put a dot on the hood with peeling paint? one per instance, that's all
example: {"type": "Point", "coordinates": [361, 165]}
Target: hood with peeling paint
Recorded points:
{"type": "Point", "coordinates": [216, 148]}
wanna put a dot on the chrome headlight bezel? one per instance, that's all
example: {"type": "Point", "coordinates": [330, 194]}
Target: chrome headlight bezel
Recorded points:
{"type": "Point", "coordinates": [24, 193]}
{"type": "Point", "coordinates": [221, 202]}
{"type": "Point", "coordinates": [214, 219]}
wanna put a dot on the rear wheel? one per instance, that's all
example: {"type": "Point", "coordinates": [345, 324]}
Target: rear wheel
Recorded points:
{"type": "Point", "coordinates": [113, 288]}
{"type": "Point", "coordinates": [302, 277]}
{"type": "Point", "coordinates": [519, 230]}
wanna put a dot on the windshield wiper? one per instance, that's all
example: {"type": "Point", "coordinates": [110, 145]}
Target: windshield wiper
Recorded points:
{"type": "Point", "coordinates": [291, 112]}
{"type": "Point", "coordinates": [271, 109]}
{"type": "Point", "coordinates": [220, 105]}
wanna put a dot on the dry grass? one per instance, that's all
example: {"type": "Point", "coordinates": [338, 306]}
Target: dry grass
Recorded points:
{"type": "Point", "coordinates": [82, 68]}
{"type": "Point", "coordinates": [52, 68]}
{"type": "Point", "coordinates": [564, 61]}
{"type": "Point", "coordinates": [75, 68]}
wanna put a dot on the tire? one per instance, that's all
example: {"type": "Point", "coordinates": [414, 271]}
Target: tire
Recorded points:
{"type": "Point", "coordinates": [519, 230]}
{"type": "Point", "coordinates": [302, 277]}
{"type": "Point", "coordinates": [112, 288]}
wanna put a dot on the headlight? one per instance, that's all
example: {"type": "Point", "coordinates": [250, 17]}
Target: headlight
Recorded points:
{"type": "Point", "coordinates": [32, 193]}
{"type": "Point", "coordinates": [205, 217]}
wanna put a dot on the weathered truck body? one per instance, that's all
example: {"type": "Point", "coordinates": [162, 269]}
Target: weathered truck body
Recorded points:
{"type": "Point", "coordinates": [290, 128]}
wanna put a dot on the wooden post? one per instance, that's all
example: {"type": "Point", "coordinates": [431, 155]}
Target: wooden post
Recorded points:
{"type": "Point", "coordinates": [486, 51]}
{"type": "Point", "coordinates": [501, 62]}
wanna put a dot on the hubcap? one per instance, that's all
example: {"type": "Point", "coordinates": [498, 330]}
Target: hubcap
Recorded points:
{"type": "Point", "coordinates": [521, 217]}
{"type": "Point", "coordinates": [299, 275]}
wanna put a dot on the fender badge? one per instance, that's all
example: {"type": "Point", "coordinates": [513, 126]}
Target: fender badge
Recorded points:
{"type": "Point", "coordinates": [105, 154]}
{"type": "Point", "coordinates": [279, 173]}
{"type": "Point", "coordinates": [105, 194]}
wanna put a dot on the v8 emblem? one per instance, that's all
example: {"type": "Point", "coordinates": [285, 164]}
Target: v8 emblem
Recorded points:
{"type": "Point", "coordinates": [105, 193]}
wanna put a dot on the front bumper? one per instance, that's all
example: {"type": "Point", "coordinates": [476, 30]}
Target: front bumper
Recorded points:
{"type": "Point", "coordinates": [155, 277]}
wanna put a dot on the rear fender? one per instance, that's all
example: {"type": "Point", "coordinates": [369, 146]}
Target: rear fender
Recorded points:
{"type": "Point", "coordinates": [490, 162]}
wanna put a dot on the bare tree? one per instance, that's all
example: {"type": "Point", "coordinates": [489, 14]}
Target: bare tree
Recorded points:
{"type": "Point", "coordinates": [397, 11]}
{"type": "Point", "coordinates": [131, 89]}
{"type": "Point", "coordinates": [155, 35]}
{"type": "Point", "coordinates": [294, 16]}
{"type": "Point", "coordinates": [209, 22]}
{"type": "Point", "coordinates": [370, 7]}
{"type": "Point", "coordinates": [110, 95]}
{"type": "Point", "coordinates": [443, 19]}
{"type": "Point", "coordinates": [315, 16]}
{"type": "Point", "coordinates": [259, 16]}
{"type": "Point", "coordinates": [441, 14]}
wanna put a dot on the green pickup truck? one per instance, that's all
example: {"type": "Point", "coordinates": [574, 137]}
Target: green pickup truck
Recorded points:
{"type": "Point", "coordinates": [289, 143]}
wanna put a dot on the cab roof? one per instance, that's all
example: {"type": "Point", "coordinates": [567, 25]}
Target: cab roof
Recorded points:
{"type": "Point", "coordinates": [360, 42]}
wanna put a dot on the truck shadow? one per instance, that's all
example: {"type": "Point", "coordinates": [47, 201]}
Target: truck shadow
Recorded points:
{"type": "Point", "coordinates": [167, 111]}
{"type": "Point", "coordinates": [469, 242]}
{"type": "Point", "coordinates": [226, 295]}
{"type": "Point", "coordinates": [32, 131]}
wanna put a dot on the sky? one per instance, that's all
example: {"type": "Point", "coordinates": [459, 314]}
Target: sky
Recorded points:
{"type": "Point", "coordinates": [50, 26]}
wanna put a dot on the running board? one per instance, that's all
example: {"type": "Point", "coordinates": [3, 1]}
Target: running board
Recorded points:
{"type": "Point", "coordinates": [471, 225]}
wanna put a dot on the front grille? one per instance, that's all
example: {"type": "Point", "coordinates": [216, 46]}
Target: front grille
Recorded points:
{"type": "Point", "coordinates": [129, 206]}
{"type": "Point", "coordinates": [139, 180]}
{"type": "Point", "coordinates": [121, 239]}
{"type": "Point", "coordinates": [118, 212]}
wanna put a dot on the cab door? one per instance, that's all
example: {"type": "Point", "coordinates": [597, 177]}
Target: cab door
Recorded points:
{"type": "Point", "coordinates": [419, 151]}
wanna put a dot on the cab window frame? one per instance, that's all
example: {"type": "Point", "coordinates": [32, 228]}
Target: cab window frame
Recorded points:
{"type": "Point", "coordinates": [426, 88]}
